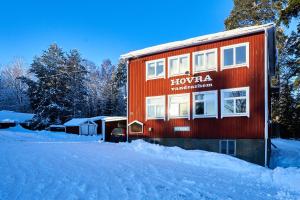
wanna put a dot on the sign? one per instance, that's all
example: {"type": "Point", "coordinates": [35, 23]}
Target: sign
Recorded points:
{"type": "Point", "coordinates": [198, 82]}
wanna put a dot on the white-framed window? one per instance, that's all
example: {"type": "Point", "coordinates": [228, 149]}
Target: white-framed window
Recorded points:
{"type": "Point", "coordinates": [235, 56]}
{"type": "Point", "coordinates": [205, 104]}
{"type": "Point", "coordinates": [227, 147]}
{"type": "Point", "coordinates": [235, 102]}
{"type": "Point", "coordinates": [179, 106]}
{"type": "Point", "coordinates": [155, 69]}
{"type": "Point", "coordinates": [179, 65]}
{"type": "Point", "coordinates": [155, 107]}
{"type": "Point", "coordinates": [204, 61]}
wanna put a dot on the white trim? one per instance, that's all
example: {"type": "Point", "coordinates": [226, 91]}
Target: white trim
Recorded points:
{"type": "Point", "coordinates": [215, 50]}
{"type": "Point", "coordinates": [138, 122]}
{"type": "Point", "coordinates": [247, 114]}
{"type": "Point", "coordinates": [189, 106]}
{"type": "Point", "coordinates": [164, 104]}
{"type": "Point", "coordinates": [266, 97]}
{"type": "Point", "coordinates": [127, 105]}
{"type": "Point", "coordinates": [234, 65]}
{"type": "Point", "coordinates": [215, 92]}
{"type": "Point", "coordinates": [227, 140]}
{"type": "Point", "coordinates": [178, 57]}
{"type": "Point", "coordinates": [155, 62]}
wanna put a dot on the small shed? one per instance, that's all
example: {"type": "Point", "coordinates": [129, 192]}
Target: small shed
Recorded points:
{"type": "Point", "coordinates": [81, 126]}
{"type": "Point", "coordinates": [107, 123]}
{"type": "Point", "coordinates": [11, 119]}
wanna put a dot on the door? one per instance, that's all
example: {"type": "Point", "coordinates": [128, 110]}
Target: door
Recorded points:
{"type": "Point", "coordinates": [84, 129]}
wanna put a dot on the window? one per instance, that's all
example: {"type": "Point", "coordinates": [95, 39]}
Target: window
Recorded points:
{"type": "Point", "coordinates": [235, 56]}
{"type": "Point", "coordinates": [179, 106]}
{"type": "Point", "coordinates": [228, 147]}
{"type": "Point", "coordinates": [155, 107]}
{"type": "Point", "coordinates": [179, 65]}
{"type": "Point", "coordinates": [205, 61]}
{"type": "Point", "coordinates": [235, 102]}
{"type": "Point", "coordinates": [205, 104]}
{"type": "Point", "coordinates": [155, 69]}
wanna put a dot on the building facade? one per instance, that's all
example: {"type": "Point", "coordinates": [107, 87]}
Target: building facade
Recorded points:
{"type": "Point", "coordinates": [210, 92]}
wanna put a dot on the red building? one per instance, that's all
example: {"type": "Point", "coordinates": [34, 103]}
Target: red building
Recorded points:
{"type": "Point", "coordinates": [210, 92]}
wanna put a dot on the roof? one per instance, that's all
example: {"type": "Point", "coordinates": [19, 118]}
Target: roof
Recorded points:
{"type": "Point", "coordinates": [197, 40]}
{"type": "Point", "coordinates": [17, 117]}
{"type": "Point", "coordinates": [57, 126]}
{"type": "Point", "coordinates": [77, 121]}
{"type": "Point", "coordinates": [109, 118]}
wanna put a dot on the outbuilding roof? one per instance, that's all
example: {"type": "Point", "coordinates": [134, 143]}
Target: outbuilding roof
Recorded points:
{"type": "Point", "coordinates": [77, 121]}
{"type": "Point", "coordinates": [197, 40]}
{"type": "Point", "coordinates": [15, 117]}
{"type": "Point", "coordinates": [108, 118]}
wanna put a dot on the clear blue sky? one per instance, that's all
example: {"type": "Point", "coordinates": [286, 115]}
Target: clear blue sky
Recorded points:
{"type": "Point", "coordinates": [103, 29]}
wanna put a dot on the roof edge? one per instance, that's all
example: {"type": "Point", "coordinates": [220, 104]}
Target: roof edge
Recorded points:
{"type": "Point", "coordinates": [197, 40]}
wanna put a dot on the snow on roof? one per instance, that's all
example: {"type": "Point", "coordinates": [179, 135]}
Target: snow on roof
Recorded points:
{"type": "Point", "coordinates": [18, 117]}
{"type": "Point", "coordinates": [77, 121]}
{"type": "Point", "coordinates": [57, 126]}
{"type": "Point", "coordinates": [108, 118]}
{"type": "Point", "coordinates": [197, 40]}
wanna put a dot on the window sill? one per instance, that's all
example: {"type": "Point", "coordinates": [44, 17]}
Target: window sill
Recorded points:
{"type": "Point", "coordinates": [236, 115]}
{"type": "Point", "coordinates": [158, 118]}
{"type": "Point", "coordinates": [204, 116]}
{"type": "Point", "coordinates": [154, 78]}
{"type": "Point", "coordinates": [203, 71]}
{"type": "Point", "coordinates": [175, 75]}
{"type": "Point", "coordinates": [234, 66]}
{"type": "Point", "coordinates": [179, 118]}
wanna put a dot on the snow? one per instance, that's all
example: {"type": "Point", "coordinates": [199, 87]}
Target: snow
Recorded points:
{"type": "Point", "coordinates": [197, 40]}
{"type": "Point", "coordinates": [286, 154]}
{"type": "Point", "coordinates": [11, 116]}
{"type": "Point", "coordinates": [57, 126]}
{"type": "Point", "coordinates": [77, 121]}
{"type": "Point", "coordinates": [108, 118]}
{"type": "Point", "coordinates": [50, 165]}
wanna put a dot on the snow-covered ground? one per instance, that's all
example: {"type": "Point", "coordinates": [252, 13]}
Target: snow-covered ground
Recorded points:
{"type": "Point", "coordinates": [44, 165]}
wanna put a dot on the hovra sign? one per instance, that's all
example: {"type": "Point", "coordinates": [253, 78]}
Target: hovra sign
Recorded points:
{"type": "Point", "coordinates": [198, 82]}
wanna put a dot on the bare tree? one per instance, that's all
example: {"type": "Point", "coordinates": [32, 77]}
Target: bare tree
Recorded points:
{"type": "Point", "coordinates": [12, 90]}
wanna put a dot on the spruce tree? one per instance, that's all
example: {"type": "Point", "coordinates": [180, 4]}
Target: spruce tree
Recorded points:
{"type": "Point", "coordinates": [47, 90]}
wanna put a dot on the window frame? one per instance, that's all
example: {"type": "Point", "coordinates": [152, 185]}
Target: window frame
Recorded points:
{"type": "Point", "coordinates": [247, 114]}
{"type": "Point", "coordinates": [234, 65]}
{"type": "Point", "coordinates": [215, 50]}
{"type": "Point", "coordinates": [138, 122]}
{"type": "Point", "coordinates": [164, 107]}
{"type": "Point", "coordinates": [227, 149]}
{"type": "Point", "coordinates": [155, 62]}
{"type": "Point", "coordinates": [188, 105]}
{"type": "Point", "coordinates": [178, 57]}
{"type": "Point", "coordinates": [195, 116]}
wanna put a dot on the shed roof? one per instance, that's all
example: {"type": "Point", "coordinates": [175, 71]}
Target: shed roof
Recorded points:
{"type": "Point", "coordinates": [197, 40]}
{"type": "Point", "coordinates": [18, 117]}
{"type": "Point", "coordinates": [77, 121]}
{"type": "Point", "coordinates": [108, 118]}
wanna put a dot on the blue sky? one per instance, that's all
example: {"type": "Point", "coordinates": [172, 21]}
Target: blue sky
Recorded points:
{"type": "Point", "coordinates": [103, 29]}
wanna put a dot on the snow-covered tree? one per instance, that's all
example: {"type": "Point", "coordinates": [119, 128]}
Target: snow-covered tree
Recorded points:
{"type": "Point", "coordinates": [76, 87]}
{"type": "Point", "coordinates": [12, 90]}
{"type": "Point", "coordinates": [48, 88]}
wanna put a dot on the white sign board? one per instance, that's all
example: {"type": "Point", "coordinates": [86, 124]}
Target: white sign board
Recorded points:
{"type": "Point", "coordinates": [181, 128]}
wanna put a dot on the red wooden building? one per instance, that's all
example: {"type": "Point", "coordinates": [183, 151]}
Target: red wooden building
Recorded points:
{"type": "Point", "coordinates": [210, 92]}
